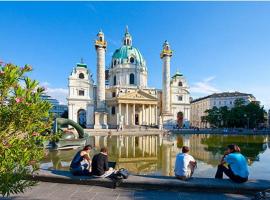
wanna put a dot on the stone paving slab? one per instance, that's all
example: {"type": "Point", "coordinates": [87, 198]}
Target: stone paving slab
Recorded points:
{"type": "Point", "coordinates": [154, 182]}
{"type": "Point", "coordinates": [83, 192]}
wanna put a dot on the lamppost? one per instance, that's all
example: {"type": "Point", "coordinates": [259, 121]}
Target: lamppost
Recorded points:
{"type": "Point", "coordinates": [245, 115]}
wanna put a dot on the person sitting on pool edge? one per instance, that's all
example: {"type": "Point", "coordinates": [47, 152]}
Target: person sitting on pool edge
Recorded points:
{"type": "Point", "coordinates": [100, 164]}
{"type": "Point", "coordinates": [77, 168]}
{"type": "Point", "coordinates": [184, 164]}
{"type": "Point", "coordinates": [237, 169]}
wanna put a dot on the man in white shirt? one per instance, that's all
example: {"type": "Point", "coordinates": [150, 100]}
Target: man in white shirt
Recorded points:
{"type": "Point", "coordinates": [184, 164]}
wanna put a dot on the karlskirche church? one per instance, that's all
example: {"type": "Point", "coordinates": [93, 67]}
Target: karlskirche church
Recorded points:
{"type": "Point", "coordinates": [121, 96]}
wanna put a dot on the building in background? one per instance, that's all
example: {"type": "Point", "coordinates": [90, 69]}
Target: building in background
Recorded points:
{"type": "Point", "coordinates": [200, 105]}
{"type": "Point", "coordinates": [58, 109]}
{"type": "Point", "coordinates": [268, 119]}
{"type": "Point", "coordinates": [122, 95]}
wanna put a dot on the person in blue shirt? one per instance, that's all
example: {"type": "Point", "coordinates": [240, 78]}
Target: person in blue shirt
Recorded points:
{"type": "Point", "coordinates": [77, 167]}
{"type": "Point", "coordinates": [237, 169]}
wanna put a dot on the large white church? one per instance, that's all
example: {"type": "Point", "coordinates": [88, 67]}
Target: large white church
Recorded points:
{"type": "Point", "coordinates": [121, 96]}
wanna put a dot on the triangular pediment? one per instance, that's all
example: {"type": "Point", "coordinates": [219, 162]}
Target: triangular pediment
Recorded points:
{"type": "Point", "coordinates": [138, 95]}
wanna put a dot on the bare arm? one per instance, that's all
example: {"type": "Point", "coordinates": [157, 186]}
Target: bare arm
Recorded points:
{"type": "Point", "coordinates": [86, 156]}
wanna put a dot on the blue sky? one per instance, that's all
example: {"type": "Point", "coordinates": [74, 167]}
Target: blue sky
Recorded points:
{"type": "Point", "coordinates": [218, 46]}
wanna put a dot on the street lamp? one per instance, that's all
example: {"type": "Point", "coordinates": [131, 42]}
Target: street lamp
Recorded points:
{"type": "Point", "coordinates": [245, 115]}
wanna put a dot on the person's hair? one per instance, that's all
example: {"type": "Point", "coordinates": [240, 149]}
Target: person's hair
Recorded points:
{"type": "Point", "coordinates": [103, 150]}
{"type": "Point", "coordinates": [234, 148]}
{"type": "Point", "coordinates": [87, 147]}
{"type": "Point", "coordinates": [185, 149]}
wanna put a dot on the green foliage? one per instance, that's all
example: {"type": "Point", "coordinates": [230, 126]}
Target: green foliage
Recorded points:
{"type": "Point", "coordinates": [240, 116]}
{"type": "Point", "coordinates": [24, 117]}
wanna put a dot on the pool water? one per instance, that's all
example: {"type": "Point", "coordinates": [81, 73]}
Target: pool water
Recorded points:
{"type": "Point", "coordinates": [155, 154]}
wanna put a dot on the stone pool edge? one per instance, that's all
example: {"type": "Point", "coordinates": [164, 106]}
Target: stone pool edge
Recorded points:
{"type": "Point", "coordinates": [156, 182]}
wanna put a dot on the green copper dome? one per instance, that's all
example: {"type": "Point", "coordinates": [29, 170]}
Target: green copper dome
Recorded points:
{"type": "Point", "coordinates": [128, 54]}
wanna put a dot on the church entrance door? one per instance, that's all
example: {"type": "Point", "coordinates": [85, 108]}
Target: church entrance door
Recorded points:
{"type": "Point", "coordinates": [136, 119]}
{"type": "Point", "coordinates": [82, 118]}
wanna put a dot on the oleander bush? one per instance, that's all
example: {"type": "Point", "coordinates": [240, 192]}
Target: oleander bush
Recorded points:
{"type": "Point", "coordinates": [24, 118]}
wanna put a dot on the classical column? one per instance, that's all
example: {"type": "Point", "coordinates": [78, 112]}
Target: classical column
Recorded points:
{"type": "Point", "coordinates": [119, 109]}
{"type": "Point", "coordinates": [133, 114]}
{"type": "Point", "coordinates": [100, 45]}
{"type": "Point", "coordinates": [143, 114]}
{"type": "Point", "coordinates": [127, 114]}
{"type": "Point", "coordinates": [156, 115]}
{"type": "Point", "coordinates": [151, 115]}
{"type": "Point", "coordinates": [166, 87]}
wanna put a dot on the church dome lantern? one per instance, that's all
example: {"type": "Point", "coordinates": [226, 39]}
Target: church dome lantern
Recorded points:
{"type": "Point", "coordinates": [128, 53]}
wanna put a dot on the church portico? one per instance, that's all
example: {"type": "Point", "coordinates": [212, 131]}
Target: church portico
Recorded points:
{"type": "Point", "coordinates": [136, 109]}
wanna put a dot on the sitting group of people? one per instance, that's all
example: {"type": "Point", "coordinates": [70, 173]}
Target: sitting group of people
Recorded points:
{"type": "Point", "coordinates": [233, 164]}
{"type": "Point", "coordinates": [81, 165]}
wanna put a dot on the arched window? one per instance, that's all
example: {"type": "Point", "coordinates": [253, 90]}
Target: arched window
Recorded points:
{"type": "Point", "coordinates": [81, 92]}
{"type": "Point", "coordinates": [114, 62]}
{"type": "Point", "coordinates": [81, 76]}
{"type": "Point", "coordinates": [131, 79]}
{"type": "Point", "coordinates": [113, 94]}
{"type": "Point", "coordinates": [114, 80]}
{"type": "Point", "coordinates": [100, 39]}
{"type": "Point", "coordinates": [113, 110]}
{"type": "Point", "coordinates": [180, 83]}
{"type": "Point", "coordinates": [132, 60]}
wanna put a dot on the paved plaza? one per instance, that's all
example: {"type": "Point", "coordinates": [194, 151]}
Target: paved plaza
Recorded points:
{"type": "Point", "coordinates": [57, 191]}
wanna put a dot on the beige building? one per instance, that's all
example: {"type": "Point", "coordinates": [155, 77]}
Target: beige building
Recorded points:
{"type": "Point", "coordinates": [199, 106]}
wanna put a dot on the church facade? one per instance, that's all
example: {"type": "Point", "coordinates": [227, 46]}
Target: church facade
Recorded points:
{"type": "Point", "coordinates": [121, 96]}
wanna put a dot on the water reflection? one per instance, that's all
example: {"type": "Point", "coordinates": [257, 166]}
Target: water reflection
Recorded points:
{"type": "Point", "coordinates": [155, 154]}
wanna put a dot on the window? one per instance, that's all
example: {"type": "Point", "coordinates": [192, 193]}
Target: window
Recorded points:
{"type": "Point", "coordinates": [113, 110]}
{"type": "Point", "coordinates": [231, 102]}
{"type": "Point", "coordinates": [132, 60]}
{"type": "Point", "coordinates": [113, 94]}
{"type": "Point", "coordinates": [114, 62]}
{"type": "Point", "coordinates": [214, 102]}
{"type": "Point", "coordinates": [81, 76]}
{"type": "Point", "coordinates": [180, 98]}
{"type": "Point", "coordinates": [100, 39]}
{"type": "Point", "coordinates": [114, 80]}
{"type": "Point", "coordinates": [131, 79]}
{"type": "Point", "coordinates": [180, 83]}
{"type": "Point", "coordinates": [81, 92]}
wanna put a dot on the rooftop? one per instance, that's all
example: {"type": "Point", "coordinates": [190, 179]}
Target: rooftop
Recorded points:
{"type": "Point", "coordinates": [223, 94]}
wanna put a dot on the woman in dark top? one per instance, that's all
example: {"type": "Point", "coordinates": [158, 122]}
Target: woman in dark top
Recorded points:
{"type": "Point", "coordinates": [76, 167]}
{"type": "Point", "coordinates": [100, 164]}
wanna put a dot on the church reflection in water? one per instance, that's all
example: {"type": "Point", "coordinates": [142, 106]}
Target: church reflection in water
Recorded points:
{"type": "Point", "coordinates": [155, 154]}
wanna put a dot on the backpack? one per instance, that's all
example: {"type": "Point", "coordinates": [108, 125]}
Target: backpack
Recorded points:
{"type": "Point", "coordinates": [120, 174]}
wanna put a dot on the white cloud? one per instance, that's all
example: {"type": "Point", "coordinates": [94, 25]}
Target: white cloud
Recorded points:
{"type": "Point", "coordinates": [204, 87]}
{"type": "Point", "coordinates": [58, 93]}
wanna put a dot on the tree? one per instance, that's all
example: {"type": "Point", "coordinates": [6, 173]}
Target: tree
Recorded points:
{"type": "Point", "coordinates": [212, 117]}
{"type": "Point", "coordinates": [240, 116]}
{"type": "Point", "coordinates": [24, 116]}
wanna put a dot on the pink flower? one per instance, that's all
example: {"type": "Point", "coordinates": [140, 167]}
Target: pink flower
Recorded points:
{"type": "Point", "coordinates": [34, 134]}
{"type": "Point", "coordinates": [2, 73]}
{"type": "Point", "coordinates": [18, 100]}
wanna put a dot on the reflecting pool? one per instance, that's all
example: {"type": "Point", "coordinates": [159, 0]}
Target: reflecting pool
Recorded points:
{"type": "Point", "coordinates": [155, 154]}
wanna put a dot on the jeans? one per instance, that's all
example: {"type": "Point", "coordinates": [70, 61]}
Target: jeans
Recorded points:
{"type": "Point", "coordinates": [80, 170]}
{"type": "Point", "coordinates": [222, 169]}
